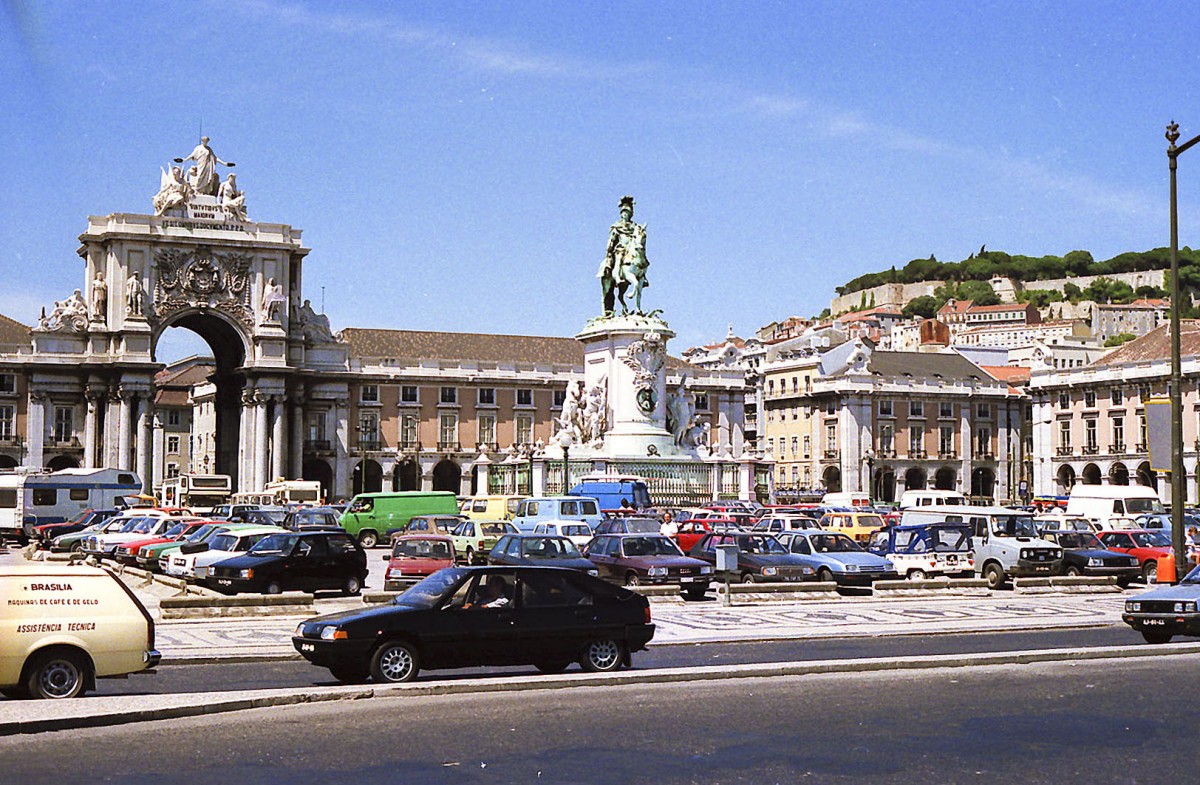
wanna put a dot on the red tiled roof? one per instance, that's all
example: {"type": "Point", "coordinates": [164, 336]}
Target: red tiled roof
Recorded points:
{"type": "Point", "coordinates": [1013, 374]}
{"type": "Point", "coordinates": [1156, 345]}
{"type": "Point", "coordinates": [12, 333]}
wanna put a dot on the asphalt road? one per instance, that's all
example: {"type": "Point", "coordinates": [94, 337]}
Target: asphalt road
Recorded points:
{"type": "Point", "coordinates": [227, 676]}
{"type": "Point", "coordinates": [1116, 721]}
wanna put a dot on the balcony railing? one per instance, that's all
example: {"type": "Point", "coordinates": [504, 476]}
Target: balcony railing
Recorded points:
{"type": "Point", "coordinates": [1065, 450]}
{"type": "Point", "coordinates": [886, 452]}
{"type": "Point", "coordinates": [370, 445]}
{"type": "Point", "coordinates": [831, 455]}
{"type": "Point", "coordinates": [983, 455]}
{"type": "Point", "coordinates": [449, 447]}
{"type": "Point", "coordinates": [317, 445]}
{"type": "Point", "coordinates": [1091, 449]}
{"type": "Point", "coordinates": [10, 440]}
{"type": "Point", "coordinates": [947, 455]}
{"type": "Point", "coordinates": [410, 445]}
{"type": "Point", "coordinates": [916, 452]}
{"type": "Point", "coordinates": [71, 443]}
{"type": "Point", "coordinates": [1117, 449]}
{"type": "Point", "coordinates": [1141, 447]}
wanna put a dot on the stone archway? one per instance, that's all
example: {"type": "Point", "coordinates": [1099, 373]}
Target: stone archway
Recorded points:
{"type": "Point", "coordinates": [406, 476]}
{"type": "Point", "coordinates": [946, 479]}
{"type": "Point", "coordinates": [885, 484]}
{"type": "Point", "coordinates": [983, 482]}
{"type": "Point", "coordinates": [914, 479]}
{"type": "Point", "coordinates": [60, 462]}
{"type": "Point", "coordinates": [1066, 479]}
{"type": "Point", "coordinates": [447, 476]}
{"type": "Point", "coordinates": [1118, 474]}
{"type": "Point", "coordinates": [1147, 476]}
{"type": "Point", "coordinates": [368, 477]}
{"type": "Point", "coordinates": [322, 472]}
{"type": "Point", "coordinates": [832, 479]}
{"type": "Point", "coordinates": [1090, 475]}
{"type": "Point", "coordinates": [8, 462]}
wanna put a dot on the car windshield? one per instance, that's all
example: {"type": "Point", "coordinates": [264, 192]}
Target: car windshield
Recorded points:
{"type": "Point", "coordinates": [549, 548]}
{"type": "Point", "coordinates": [833, 543]}
{"type": "Point", "coordinates": [421, 549]}
{"type": "Point", "coordinates": [201, 533]}
{"type": "Point", "coordinates": [493, 529]}
{"type": "Point", "coordinates": [275, 543]}
{"type": "Point", "coordinates": [575, 530]}
{"type": "Point", "coordinates": [1151, 539]}
{"type": "Point", "coordinates": [1013, 526]}
{"type": "Point", "coordinates": [871, 521]}
{"type": "Point", "coordinates": [642, 525]}
{"type": "Point", "coordinates": [759, 544]}
{"type": "Point", "coordinates": [950, 538]}
{"type": "Point", "coordinates": [650, 546]}
{"type": "Point", "coordinates": [132, 524]}
{"type": "Point", "coordinates": [1140, 506]}
{"type": "Point", "coordinates": [432, 590]}
{"type": "Point", "coordinates": [1081, 540]}
{"type": "Point", "coordinates": [176, 530]}
{"type": "Point", "coordinates": [223, 542]}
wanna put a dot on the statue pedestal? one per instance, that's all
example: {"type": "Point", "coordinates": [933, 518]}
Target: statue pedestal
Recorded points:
{"type": "Point", "coordinates": [628, 355]}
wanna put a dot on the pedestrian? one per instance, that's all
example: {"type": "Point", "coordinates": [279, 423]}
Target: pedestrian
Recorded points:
{"type": "Point", "coordinates": [669, 527]}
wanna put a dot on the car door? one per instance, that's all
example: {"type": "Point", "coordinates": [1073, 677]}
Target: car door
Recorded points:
{"type": "Point", "coordinates": [307, 565]}
{"type": "Point", "coordinates": [600, 552]}
{"type": "Point", "coordinates": [493, 630]}
{"type": "Point", "coordinates": [555, 617]}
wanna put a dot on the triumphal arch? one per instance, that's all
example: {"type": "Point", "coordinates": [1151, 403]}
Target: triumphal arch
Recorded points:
{"type": "Point", "coordinates": [197, 261]}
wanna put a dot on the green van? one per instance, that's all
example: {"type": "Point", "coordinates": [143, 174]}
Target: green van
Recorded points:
{"type": "Point", "coordinates": [371, 516]}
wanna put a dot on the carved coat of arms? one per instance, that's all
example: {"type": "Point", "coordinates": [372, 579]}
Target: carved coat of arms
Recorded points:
{"type": "Point", "coordinates": [646, 358]}
{"type": "Point", "coordinates": [202, 278]}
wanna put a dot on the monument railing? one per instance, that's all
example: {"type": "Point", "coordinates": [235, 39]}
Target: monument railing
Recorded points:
{"type": "Point", "coordinates": [554, 476]}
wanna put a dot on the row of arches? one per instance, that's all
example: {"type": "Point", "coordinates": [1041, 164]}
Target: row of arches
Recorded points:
{"type": "Point", "coordinates": [55, 464]}
{"type": "Point", "coordinates": [884, 482]}
{"type": "Point", "coordinates": [368, 476]}
{"type": "Point", "coordinates": [1118, 474]}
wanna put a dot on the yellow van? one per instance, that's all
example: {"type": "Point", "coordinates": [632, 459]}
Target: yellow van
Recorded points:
{"type": "Point", "coordinates": [491, 508]}
{"type": "Point", "coordinates": [62, 626]}
{"type": "Point", "coordinates": [857, 526]}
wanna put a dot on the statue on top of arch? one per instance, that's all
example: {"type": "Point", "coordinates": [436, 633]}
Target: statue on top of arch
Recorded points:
{"type": "Point", "coordinates": [177, 187]}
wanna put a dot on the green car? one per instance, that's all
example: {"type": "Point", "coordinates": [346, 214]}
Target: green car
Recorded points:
{"type": "Point", "coordinates": [474, 539]}
{"type": "Point", "coordinates": [162, 552]}
{"type": "Point", "coordinates": [74, 542]}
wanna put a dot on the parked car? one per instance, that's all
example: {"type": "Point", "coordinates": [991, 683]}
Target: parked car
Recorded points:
{"type": "Point", "coordinates": [264, 516]}
{"type": "Point", "coordinates": [648, 559]}
{"type": "Point", "coordinates": [1163, 613]}
{"type": "Point", "coordinates": [761, 557]}
{"type": "Point", "coordinates": [371, 515]}
{"type": "Point", "coordinates": [474, 616]}
{"type": "Point", "coordinates": [858, 526]}
{"type": "Point", "coordinates": [691, 532]}
{"type": "Point", "coordinates": [490, 508]}
{"type": "Point", "coordinates": [224, 546]}
{"type": "Point", "coordinates": [127, 553]}
{"type": "Point", "coordinates": [415, 557]}
{"type": "Point", "coordinates": [307, 518]}
{"type": "Point", "coordinates": [228, 512]}
{"type": "Point", "coordinates": [105, 544]}
{"type": "Point", "coordinates": [539, 550]}
{"type": "Point", "coordinates": [614, 492]}
{"type": "Point", "coordinates": [473, 539]}
{"type": "Point", "coordinates": [630, 524]}
{"type": "Point", "coordinates": [307, 561]}
{"type": "Point", "coordinates": [1084, 554]}
{"type": "Point", "coordinates": [923, 549]}
{"type": "Point", "coordinates": [429, 524]}
{"type": "Point", "coordinates": [48, 531]}
{"type": "Point", "coordinates": [838, 558]}
{"type": "Point", "coordinates": [578, 533]}
{"type": "Point", "coordinates": [775, 523]}
{"type": "Point", "coordinates": [163, 553]}
{"type": "Point", "coordinates": [1148, 547]}
{"type": "Point", "coordinates": [1058, 522]}
{"type": "Point", "coordinates": [556, 508]}
{"type": "Point", "coordinates": [180, 562]}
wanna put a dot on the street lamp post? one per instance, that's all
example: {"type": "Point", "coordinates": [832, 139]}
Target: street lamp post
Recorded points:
{"type": "Point", "coordinates": [565, 440]}
{"type": "Point", "coordinates": [1177, 477]}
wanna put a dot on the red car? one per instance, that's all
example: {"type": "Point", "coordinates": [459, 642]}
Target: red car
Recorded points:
{"type": "Point", "coordinates": [1147, 546]}
{"type": "Point", "coordinates": [127, 553]}
{"type": "Point", "coordinates": [414, 557]}
{"type": "Point", "coordinates": [693, 530]}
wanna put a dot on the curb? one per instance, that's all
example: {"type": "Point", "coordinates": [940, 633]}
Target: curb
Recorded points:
{"type": "Point", "coordinates": [200, 704]}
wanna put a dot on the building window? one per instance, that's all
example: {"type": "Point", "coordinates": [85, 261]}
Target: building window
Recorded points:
{"type": "Point", "coordinates": [770, 387]}
{"type": "Point", "coordinates": [795, 445]}
{"type": "Point", "coordinates": [173, 444]}
{"type": "Point", "coordinates": [316, 426]}
{"type": "Point", "coordinates": [1090, 445]}
{"type": "Point", "coordinates": [449, 395]}
{"type": "Point", "coordinates": [945, 409]}
{"type": "Point", "coordinates": [916, 409]}
{"type": "Point", "coordinates": [1118, 434]}
{"type": "Point", "coordinates": [408, 431]}
{"type": "Point", "coordinates": [64, 423]}
{"type": "Point", "coordinates": [487, 396]}
{"type": "Point", "coordinates": [886, 439]}
{"type": "Point", "coordinates": [885, 408]}
{"type": "Point", "coordinates": [1064, 437]}
{"type": "Point", "coordinates": [916, 440]}
{"type": "Point", "coordinates": [368, 431]}
{"type": "Point", "coordinates": [946, 440]}
{"type": "Point", "coordinates": [448, 431]}
{"type": "Point", "coordinates": [702, 403]}
{"type": "Point", "coordinates": [524, 397]}
{"type": "Point", "coordinates": [560, 397]}
{"type": "Point", "coordinates": [7, 413]}
{"type": "Point", "coordinates": [173, 417]}
{"type": "Point", "coordinates": [795, 384]}
{"type": "Point", "coordinates": [771, 446]}
{"type": "Point", "coordinates": [1142, 442]}
{"type": "Point", "coordinates": [830, 436]}
{"type": "Point", "coordinates": [983, 441]}
{"type": "Point", "coordinates": [524, 429]}
{"type": "Point", "coordinates": [1144, 392]}
{"type": "Point", "coordinates": [408, 394]}
{"type": "Point", "coordinates": [368, 393]}
{"type": "Point", "coordinates": [770, 415]}
{"type": "Point", "coordinates": [831, 407]}
{"type": "Point", "coordinates": [1064, 400]}
{"type": "Point", "coordinates": [487, 429]}
{"type": "Point", "coordinates": [807, 453]}
{"type": "Point", "coordinates": [1089, 399]}
{"type": "Point", "coordinates": [172, 470]}
{"type": "Point", "coordinates": [1118, 396]}
{"type": "Point", "coordinates": [983, 411]}
{"type": "Point", "coordinates": [8, 383]}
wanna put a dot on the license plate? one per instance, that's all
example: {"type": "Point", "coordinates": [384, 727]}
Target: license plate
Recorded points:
{"type": "Point", "coordinates": [224, 581]}
{"type": "Point", "coordinates": [952, 560]}
{"type": "Point", "coordinates": [307, 647]}
{"type": "Point", "coordinates": [686, 579]}
{"type": "Point", "coordinates": [1154, 622]}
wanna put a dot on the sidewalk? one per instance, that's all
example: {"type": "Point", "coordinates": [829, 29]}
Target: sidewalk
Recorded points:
{"type": "Point", "coordinates": [208, 639]}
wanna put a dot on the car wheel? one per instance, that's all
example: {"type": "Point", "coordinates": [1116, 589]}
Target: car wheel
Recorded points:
{"type": "Point", "coordinates": [747, 577]}
{"type": "Point", "coordinates": [602, 656]}
{"type": "Point", "coordinates": [1150, 572]}
{"type": "Point", "coordinates": [273, 588]}
{"type": "Point", "coordinates": [552, 666]}
{"type": "Point", "coordinates": [995, 576]}
{"type": "Point", "coordinates": [57, 674]}
{"type": "Point", "coordinates": [368, 539]}
{"type": "Point", "coordinates": [349, 674]}
{"type": "Point", "coordinates": [395, 662]}
{"type": "Point", "coordinates": [77, 548]}
{"type": "Point", "coordinates": [917, 575]}
{"type": "Point", "coordinates": [470, 555]}
{"type": "Point", "coordinates": [1156, 636]}
{"type": "Point", "coordinates": [352, 586]}
{"type": "Point", "coordinates": [632, 579]}
{"type": "Point", "coordinates": [825, 575]}
{"type": "Point", "coordinates": [696, 594]}
{"type": "Point", "coordinates": [1074, 571]}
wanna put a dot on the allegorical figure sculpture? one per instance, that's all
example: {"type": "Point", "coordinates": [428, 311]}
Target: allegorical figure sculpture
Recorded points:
{"type": "Point", "coordinates": [134, 296]}
{"type": "Point", "coordinates": [232, 199]}
{"type": "Point", "coordinates": [272, 298]}
{"type": "Point", "coordinates": [173, 190]}
{"type": "Point", "coordinates": [314, 326]}
{"type": "Point", "coordinates": [625, 264]}
{"type": "Point", "coordinates": [203, 177]}
{"type": "Point", "coordinates": [681, 415]}
{"type": "Point", "coordinates": [70, 314]}
{"type": "Point", "coordinates": [99, 297]}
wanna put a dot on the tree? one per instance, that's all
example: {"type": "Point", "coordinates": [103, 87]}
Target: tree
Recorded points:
{"type": "Point", "coordinates": [1072, 292]}
{"type": "Point", "coordinates": [1039, 297]}
{"type": "Point", "coordinates": [1119, 339]}
{"type": "Point", "coordinates": [921, 306]}
{"type": "Point", "coordinates": [1106, 290]}
{"type": "Point", "coordinates": [980, 292]}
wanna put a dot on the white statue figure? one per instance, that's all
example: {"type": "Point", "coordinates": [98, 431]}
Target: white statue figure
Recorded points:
{"type": "Point", "coordinates": [595, 413]}
{"type": "Point", "coordinates": [203, 176]}
{"type": "Point", "coordinates": [681, 415]}
{"type": "Point", "coordinates": [134, 296]}
{"type": "Point", "coordinates": [572, 409]}
{"type": "Point", "coordinates": [173, 190]}
{"type": "Point", "coordinates": [69, 314]}
{"type": "Point", "coordinates": [232, 199]}
{"type": "Point", "coordinates": [271, 298]}
{"type": "Point", "coordinates": [99, 297]}
{"type": "Point", "coordinates": [315, 326]}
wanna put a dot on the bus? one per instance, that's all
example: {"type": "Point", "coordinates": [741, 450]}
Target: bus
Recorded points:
{"type": "Point", "coordinates": [197, 492]}
{"type": "Point", "coordinates": [284, 492]}
{"type": "Point", "coordinates": [31, 497]}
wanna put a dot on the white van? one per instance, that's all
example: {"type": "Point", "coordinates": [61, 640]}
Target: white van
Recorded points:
{"type": "Point", "coordinates": [846, 499]}
{"type": "Point", "coordinates": [932, 498]}
{"type": "Point", "coordinates": [1113, 506]}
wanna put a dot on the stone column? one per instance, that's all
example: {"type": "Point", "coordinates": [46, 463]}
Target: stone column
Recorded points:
{"type": "Point", "coordinates": [246, 443]}
{"type": "Point", "coordinates": [298, 425]}
{"type": "Point", "coordinates": [158, 442]}
{"type": "Point", "coordinates": [111, 425]}
{"type": "Point", "coordinates": [89, 428]}
{"type": "Point", "coordinates": [968, 446]}
{"type": "Point", "coordinates": [261, 446]}
{"type": "Point", "coordinates": [125, 425]}
{"type": "Point", "coordinates": [144, 453]}
{"type": "Point", "coordinates": [278, 448]}
{"type": "Point", "coordinates": [341, 464]}
{"type": "Point", "coordinates": [35, 429]}
{"type": "Point", "coordinates": [1003, 430]}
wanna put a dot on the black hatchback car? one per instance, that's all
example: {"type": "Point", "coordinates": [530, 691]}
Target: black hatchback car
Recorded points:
{"type": "Point", "coordinates": [1084, 554]}
{"type": "Point", "coordinates": [305, 561]}
{"type": "Point", "coordinates": [474, 616]}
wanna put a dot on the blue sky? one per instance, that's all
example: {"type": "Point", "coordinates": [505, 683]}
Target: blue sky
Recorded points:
{"type": "Point", "coordinates": [455, 166]}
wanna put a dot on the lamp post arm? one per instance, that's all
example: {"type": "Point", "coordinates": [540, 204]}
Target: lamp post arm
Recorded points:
{"type": "Point", "coordinates": [1177, 150]}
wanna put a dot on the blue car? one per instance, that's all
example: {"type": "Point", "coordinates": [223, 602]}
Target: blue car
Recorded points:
{"type": "Point", "coordinates": [1162, 614]}
{"type": "Point", "coordinates": [838, 558]}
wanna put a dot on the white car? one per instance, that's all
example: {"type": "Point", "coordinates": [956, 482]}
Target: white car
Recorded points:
{"type": "Point", "coordinates": [576, 532]}
{"type": "Point", "coordinates": [141, 527]}
{"type": "Point", "coordinates": [777, 524]}
{"type": "Point", "coordinates": [234, 541]}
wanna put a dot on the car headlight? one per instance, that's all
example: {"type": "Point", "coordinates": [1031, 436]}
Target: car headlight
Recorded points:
{"type": "Point", "coordinates": [850, 567]}
{"type": "Point", "coordinates": [807, 570]}
{"type": "Point", "coordinates": [594, 573]}
{"type": "Point", "coordinates": [1133, 606]}
{"type": "Point", "coordinates": [393, 572]}
{"type": "Point", "coordinates": [656, 572]}
{"type": "Point", "coordinates": [246, 573]}
{"type": "Point", "coordinates": [1189, 607]}
{"type": "Point", "coordinates": [300, 629]}
{"type": "Point", "coordinates": [770, 570]}
{"type": "Point", "coordinates": [1094, 562]}
{"type": "Point", "coordinates": [332, 633]}
{"type": "Point", "coordinates": [1024, 554]}
{"type": "Point", "coordinates": [706, 570]}
{"type": "Point", "coordinates": [1056, 555]}
{"type": "Point", "coordinates": [1133, 562]}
